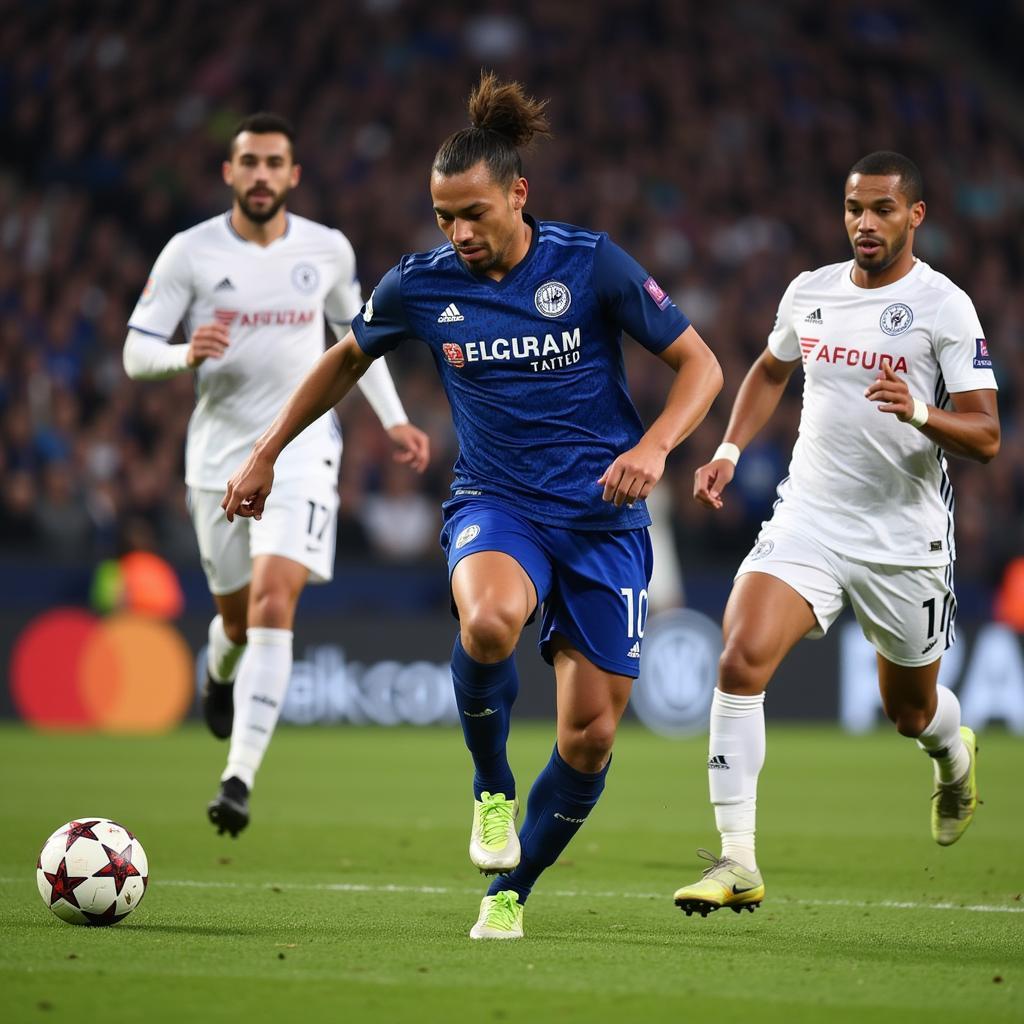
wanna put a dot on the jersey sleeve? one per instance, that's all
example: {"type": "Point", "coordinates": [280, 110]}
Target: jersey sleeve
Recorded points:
{"type": "Point", "coordinates": [634, 300]}
{"type": "Point", "coordinates": [961, 348]}
{"type": "Point", "coordinates": [342, 302]}
{"type": "Point", "coordinates": [168, 293]}
{"type": "Point", "coordinates": [381, 324]}
{"type": "Point", "coordinates": [783, 341]}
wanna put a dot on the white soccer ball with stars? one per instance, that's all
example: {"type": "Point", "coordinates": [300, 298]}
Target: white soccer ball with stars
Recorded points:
{"type": "Point", "coordinates": [92, 871]}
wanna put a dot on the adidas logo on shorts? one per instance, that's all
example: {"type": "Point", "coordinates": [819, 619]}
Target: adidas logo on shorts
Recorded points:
{"type": "Point", "coordinates": [634, 651]}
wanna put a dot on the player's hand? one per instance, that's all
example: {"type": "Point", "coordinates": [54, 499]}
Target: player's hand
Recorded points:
{"type": "Point", "coordinates": [208, 341]}
{"type": "Point", "coordinates": [632, 476]}
{"type": "Point", "coordinates": [709, 481]}
{"type": "Point", "coordinates": [892, 393]}
{"type": "Point", "coordinates": [412, 444]}
{"type": "Point", "coordinates": [249, 488]}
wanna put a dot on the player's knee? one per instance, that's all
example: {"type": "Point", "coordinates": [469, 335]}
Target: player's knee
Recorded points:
{"type": "Point", "coordinates": [489, 634]}
{"type": "Point", "coordinates": [909, 721]}
{"type": "Point", "coordinates": [739, 672]}
{"type": "Point", "coordinates": [586, 746]}
{"type": "Point", "coordinates": [271, 608]}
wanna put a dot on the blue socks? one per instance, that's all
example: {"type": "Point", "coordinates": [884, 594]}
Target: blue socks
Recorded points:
{"type": "Point", "coordinates": [559, 803]}
{"type": "Point", "coordinates": [485, 695]}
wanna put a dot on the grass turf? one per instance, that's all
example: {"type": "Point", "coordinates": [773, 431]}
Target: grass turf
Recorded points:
{"type": "Point", "coordinates": [351, 894]}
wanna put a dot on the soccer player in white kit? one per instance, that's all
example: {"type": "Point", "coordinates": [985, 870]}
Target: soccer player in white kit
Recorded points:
{"type": "Point", "coordinates": [896, 374]}
{"type": "Point", "coordinates": [251, 288]}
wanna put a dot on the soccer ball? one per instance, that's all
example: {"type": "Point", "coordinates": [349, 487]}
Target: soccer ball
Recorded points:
{"type": "Point", "coordinates": [92, 871]}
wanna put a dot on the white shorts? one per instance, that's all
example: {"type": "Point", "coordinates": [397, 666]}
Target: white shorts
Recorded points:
{"type": "Point", "coordinates": [905, 612]}
{"type": "Point", "coordinates": [299, 522]}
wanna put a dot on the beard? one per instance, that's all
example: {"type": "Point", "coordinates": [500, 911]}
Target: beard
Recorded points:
{"type": "Point", "coordinates": [261, 216]}
{"type": "Point", "coordinates": [886, 256]}
{"type": "Point", "coordinates": [481, 266]}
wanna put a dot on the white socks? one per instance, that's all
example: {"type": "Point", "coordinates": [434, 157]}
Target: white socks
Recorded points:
{"type": "Point", "coordinates": [259, 693]}
{"type": "Point", "coordinates": [942, 740]}
{"type": "Point", "coordinates": [735, 757]}
{"type": "Point", "coordinates": [221, 654]}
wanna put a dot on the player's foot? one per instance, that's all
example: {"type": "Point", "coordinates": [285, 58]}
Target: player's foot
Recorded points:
{"type": "Point", "coordinates": [725, 884]}
{"type": "Point", "coordinates": [493, 844]}
{"type": "Point", "coordinates": [953, 805]}
{"type": "Point", "coordinates": [219, 707]}
{"type": "Point", "coordinates": [501, 917]}
{"type": "Point", "coordinates": [229, 809]}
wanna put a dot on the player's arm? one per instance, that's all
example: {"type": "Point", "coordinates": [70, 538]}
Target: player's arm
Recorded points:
{"type": "Point", "coordinates": [631, 298]}
{"type": "Point", "coordinates": [970, 429]}
{"type": "Point", "coordinates": [327, 383]}
{"type": "Point", "coordinates": [698, 379]}
{"type": "Point", "coordinates": [341, 305]}
{"type": "Point", "coordinates": [148, 355]}
{"type": "Point", "coordinates": [756, 400]}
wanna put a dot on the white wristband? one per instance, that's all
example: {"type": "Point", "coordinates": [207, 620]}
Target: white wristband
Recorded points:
{"type": "Point", "coordinates": [920, 417]}
{"type": "Point", "coordinates": [727, 450]}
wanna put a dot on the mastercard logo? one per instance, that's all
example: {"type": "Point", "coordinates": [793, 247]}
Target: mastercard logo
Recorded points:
{"type": "Point", "coordinates": [122, 673]}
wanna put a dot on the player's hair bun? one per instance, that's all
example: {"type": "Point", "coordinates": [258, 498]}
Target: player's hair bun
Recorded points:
{"type": "Point", "coordinates": [504, 108]}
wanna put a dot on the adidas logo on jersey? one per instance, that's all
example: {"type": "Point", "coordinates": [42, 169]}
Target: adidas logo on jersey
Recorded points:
{"type": "Point", "coordinates": [451, 315]}
{"type": "Point", "coordinates": [634, 651]}
{"type": "Point", "coordinates": [814, 318]}
{"type": "Point", "coordinates": [224, 285]}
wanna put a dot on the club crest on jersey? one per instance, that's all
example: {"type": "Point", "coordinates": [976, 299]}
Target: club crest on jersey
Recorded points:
{"type": "Point", "coordinates": [552, 298]}
{"type": "Point", "coordinates": [762, 549]}
{"type": "Point", "coordinates": [896, 319]}
{"type": "Point", "coordinates": [982, 360]}
{"type": "Point", "coordinates": [305, 277]}
{"type": "Point", "coordinates": [453, 353]}
{"type": "Point", "coordinates": [656, 292]}
{"type": "Point", "coordinates": [470, 533]}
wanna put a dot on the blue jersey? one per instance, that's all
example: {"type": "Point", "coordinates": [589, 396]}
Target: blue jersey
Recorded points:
{"type": "Point", "coordinates": [532, 366]}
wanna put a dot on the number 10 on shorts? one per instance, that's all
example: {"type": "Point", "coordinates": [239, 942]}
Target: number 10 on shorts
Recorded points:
{"type": "Point", "coordinates": [636, 612]}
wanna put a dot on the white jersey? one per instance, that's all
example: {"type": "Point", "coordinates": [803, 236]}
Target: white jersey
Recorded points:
{"type": "Point", "coordinates": [860, 481]}
{"type": "Point", "coordinates": [273, 300]}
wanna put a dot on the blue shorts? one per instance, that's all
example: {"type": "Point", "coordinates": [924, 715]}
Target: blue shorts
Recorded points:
{"type": "Point", "coordinates": [591, 584]}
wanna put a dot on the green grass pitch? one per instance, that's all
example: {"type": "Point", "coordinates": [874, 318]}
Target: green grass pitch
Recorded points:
{"type": "Point", "coordinates": [350, 896]}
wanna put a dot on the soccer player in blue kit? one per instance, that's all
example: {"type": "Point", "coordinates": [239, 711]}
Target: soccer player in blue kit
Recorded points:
{"type": "Point", "coordinates": [524, 320]}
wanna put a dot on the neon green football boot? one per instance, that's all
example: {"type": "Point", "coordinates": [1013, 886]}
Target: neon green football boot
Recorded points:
{"type": "Point", "coordinates": [725, 884]}
{"type": "Point", "coordinates": [954, 804]}
{"type": "Point", "coordinates": [493, 843]}
{"type": "Point", "coordinates": [501, 917]}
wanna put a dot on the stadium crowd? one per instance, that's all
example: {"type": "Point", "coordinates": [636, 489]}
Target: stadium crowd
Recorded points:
{"type": "Point", "coordinates": [710, 140]}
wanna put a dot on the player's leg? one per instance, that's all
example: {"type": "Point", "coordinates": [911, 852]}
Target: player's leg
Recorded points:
{"type": "Point", "coordinates": [499, 573]}
{"type": "Point", "coordinates": [224, 553]}
{"type": "Point", "coordinates": [590, 703]}
{"type": "Point", "coordinates": [261, 684]}
{"type": "Point", "coordinates": [764, 618]}
{"type": "Point", "coordinates": [930, 714]}
{"type": "Point", "coordinates": [787, 588]}
{"type": "Point", "coordinates": [225, 647]}
{"type": "Point", "coordinates": [592, 633]}
{"type": "Point", "coordinates": [263, 677]}
{"type": "Point", "coordinates": [293, 543]}
{"type": "Point", "coordinates": [908, 614]}
{"type": "Point", "coordinates": [494, 598]}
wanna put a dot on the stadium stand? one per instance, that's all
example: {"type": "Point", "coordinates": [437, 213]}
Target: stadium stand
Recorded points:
{"type": "Point", "coordinates": [711, 141]}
